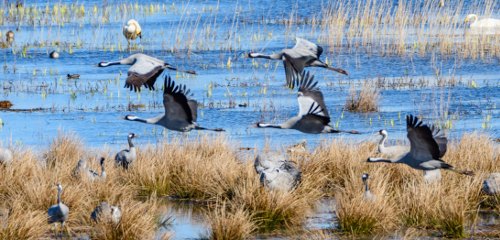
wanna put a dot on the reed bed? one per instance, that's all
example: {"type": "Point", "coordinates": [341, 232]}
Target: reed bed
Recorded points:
{"type": "Point", "coordinates": [212, 172]}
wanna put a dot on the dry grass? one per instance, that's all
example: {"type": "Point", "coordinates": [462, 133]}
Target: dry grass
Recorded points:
{"type": "Point", "coordinates": [232, 224]}
{"type": "Point", "coordinates": [210, 170]}
{"type": "Point", "coordinates": [358, 215]}
{"type": "Point", "coordinates": [199, 170]}
{"type": "Point", "coordinates": [364, 100]}
{"type": "Point", "coordinates": [28, 190]}
{"type": "Point", "coordinates": [446, 207]}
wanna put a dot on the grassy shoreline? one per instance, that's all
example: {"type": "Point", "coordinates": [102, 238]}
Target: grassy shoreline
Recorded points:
{"type": "Point", "coordinates": [210, 170]}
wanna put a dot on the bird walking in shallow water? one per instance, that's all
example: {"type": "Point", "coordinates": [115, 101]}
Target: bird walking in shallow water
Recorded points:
{"type": "Point", "coordinates": [144, 70]}
{"type": "Point", "coordinates": [58, 212]}
{"type": "Point", "coordinates": [180, 112]}
{"type": "Point", "coordinates": [427, 146]}
{"type": "Point", "coordinates": [132, 30]}
{"type": "Point", "coordinates": [303, 54]}
{"type": "Point", "coordinates": [313, 116]}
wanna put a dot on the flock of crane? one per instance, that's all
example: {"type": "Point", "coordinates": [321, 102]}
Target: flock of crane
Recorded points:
{"type": "Point", "coordinates": [428, 144]}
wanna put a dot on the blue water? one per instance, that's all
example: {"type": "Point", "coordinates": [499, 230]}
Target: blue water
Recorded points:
{"type": "Point", "coordinates": [203, 35]}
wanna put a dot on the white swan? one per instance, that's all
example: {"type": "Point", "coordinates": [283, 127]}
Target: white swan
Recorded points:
{"type": "Point", "coordinates": [483, 25]}
{"type": "Point", "coordinates": [132, 30]}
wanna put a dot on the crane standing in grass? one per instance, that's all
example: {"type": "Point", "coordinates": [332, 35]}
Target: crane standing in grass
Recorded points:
{"type": "Point", "coordinates": [313, 116]}
{"type": "Point", "coordinates": [303, 54]}
{"type": "Point", "coordinates": [58, 212]}
{"type": "Point", "coordinates": [427, 147]}
{"type": "Point", "coordinates": [126, 157]}
{"type": "Point", "coordinates": [367, 194]}
{"type": "Point", "coordinates": [132, 30]}
{"type": "Point", "coordinates": [144, 70]}
{"type": "Point", "coordinates": [180, 112]}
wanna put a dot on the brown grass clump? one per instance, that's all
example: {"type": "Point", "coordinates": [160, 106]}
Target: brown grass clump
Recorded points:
{"type": "Point", "coordinates": [63, 150]}
{"type": "Point", "coordinates": [280, 210]}
{"type": "Point", "coordinates": [204, 170]}
{"type": "Point", "coordinates": [28, 189]}
{"type": "Point", "coordinates": [135, 223]}
{"type": "Point", "coordinates": [358, 215]}
{"type": "Point", "coordinates": [230, 224]}
{"type": "Point", "coordinates": [364, 100]}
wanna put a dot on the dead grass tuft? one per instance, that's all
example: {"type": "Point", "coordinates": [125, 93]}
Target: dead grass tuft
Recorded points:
{"type": "Point", "coordinates": [230, 224]}
{"type": "Point", "coordinates": [364, 100]}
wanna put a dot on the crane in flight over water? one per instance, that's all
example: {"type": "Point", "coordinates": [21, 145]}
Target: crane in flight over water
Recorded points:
{"type": "Point", "coordinates": [427, 146]}
{"type": "Point", "coordinates": [180, 112]}
{"type": "Point", "coordinates": [144, 70]}
{"type": "Point", "coordinates": [303, 54]}
{"type": "Point", "coordinates": [313, 116]}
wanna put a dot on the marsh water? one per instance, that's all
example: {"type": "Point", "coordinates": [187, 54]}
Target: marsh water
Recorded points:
{"type": "Point", "coordinates": [234, 92]}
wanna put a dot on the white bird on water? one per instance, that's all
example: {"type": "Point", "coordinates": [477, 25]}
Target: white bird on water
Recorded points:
{"type": "Point", "coordinates": [132, 30]}
{"type": "Point", "coordinates": [483, 25]}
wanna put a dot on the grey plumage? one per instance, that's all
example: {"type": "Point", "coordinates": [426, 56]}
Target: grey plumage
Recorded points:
{"type": "Point", "coordinates": [303, 54]}
{"type": "Point", "coordinates": [80, 167]}
{"type": "Point", "coordinates": [180, 112]}
{"type": "Point", "coordinates": [144, 70]}
{"type": "Point", "coordinates": [367, 194]}
{"type": "Point", "coordinates": [281, 175]}
{"type": "Point", "coordinates": [491, 185]}
{"type": "Point", "coordinates": [126, 157]}
{"type": "Point", "coordinates": [93, 175]}
{"type": "Point", "coordinates": [106, 212]}
{"type": "Point", "coordinates": [58, 212]}
{"type": "Point", "coordinates": [390, 151]}
{"type": "Point", "coordinates": [427, 147]}
{"type": "Point", "coordinates": [313, 115]}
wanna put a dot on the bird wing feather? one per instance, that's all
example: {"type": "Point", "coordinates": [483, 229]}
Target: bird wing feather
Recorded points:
{"type": "Point", "coordinates": [440, 139]}
{"type": "Point", "coordinates": [135, 80]}
{"type": "Point", "coordinates": [311, 95]}
{"type": "Point", "coordinates": [304, 47]}
{"type": "Point", "coordinates": [423, 147]}
{"type": "Point", "coordinates": [175, 102]}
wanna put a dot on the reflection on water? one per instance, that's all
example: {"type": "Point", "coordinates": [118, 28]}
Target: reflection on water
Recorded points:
{"type": "Point", "coordinates": [188, 220]}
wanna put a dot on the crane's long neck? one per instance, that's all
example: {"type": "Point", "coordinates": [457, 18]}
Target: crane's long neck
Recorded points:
{"type": "Point", "coordinates": [153, 120]}
{"type": "Point", "coordinates": [59, 191]}
{"type": "Point", "coordinates": [268, 125]}
{"type": "Point", "coordinates": [381, 144]}
{"type": "Point", "coordinates": [103, 171]}
{"type": "Point", "coordinates": [330, 129]}
{"type": "Point", "coordinates": [276, 56]}
{"type": "Point", "coordinates": [107, 64]}
{"type": "Point", "coordinates": [383, 160]}
{"type": "Point", "coordinates": [130, 143]}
